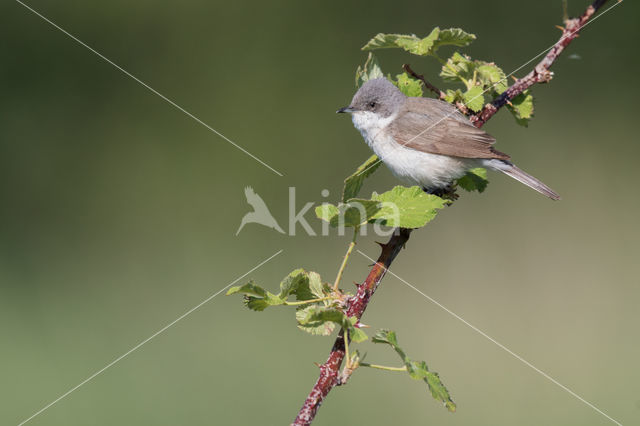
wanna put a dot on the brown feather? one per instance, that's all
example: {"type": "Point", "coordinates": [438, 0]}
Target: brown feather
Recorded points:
{"type": "Point", "coordinates": [437, 127]}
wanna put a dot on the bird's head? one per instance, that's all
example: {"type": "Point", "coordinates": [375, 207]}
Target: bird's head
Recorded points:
{"type": "Point", "coordinates": [378, 96]}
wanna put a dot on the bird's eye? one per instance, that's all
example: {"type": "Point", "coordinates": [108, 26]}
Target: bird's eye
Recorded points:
{"type": "Point", "coordinates": [372, 104]}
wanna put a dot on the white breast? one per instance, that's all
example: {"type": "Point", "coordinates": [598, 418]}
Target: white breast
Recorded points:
{"type": "Point", "coordinates": [414, 167]}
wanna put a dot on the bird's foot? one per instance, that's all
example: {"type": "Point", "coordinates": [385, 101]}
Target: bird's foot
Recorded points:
{"type": "Point", "coordinates": [446, 193]}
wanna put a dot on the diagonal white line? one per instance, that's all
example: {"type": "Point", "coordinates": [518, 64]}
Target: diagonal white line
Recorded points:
{"type": "Point", "coordinates": [500, 81]}
{"type": "Point", "coordinates": [163, 329]}
{"type": "Point", "coordinates": [172, 103]}
{"type": "Point", "coordinates": [500, 345]}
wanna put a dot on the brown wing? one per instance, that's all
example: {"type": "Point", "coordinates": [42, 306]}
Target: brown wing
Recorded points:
{"type": "Point", "coordinates": [437, 127]}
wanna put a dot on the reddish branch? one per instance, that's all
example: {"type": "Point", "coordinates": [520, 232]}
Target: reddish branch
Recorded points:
{"type": "Point", "coordinates": [540, 73]}
{"type": "Point", "coordinates": [330, 370]}
{"type": "Point", "coordinates": [434, 89]}
{"type": "Point", "coordinates": [441, 95]}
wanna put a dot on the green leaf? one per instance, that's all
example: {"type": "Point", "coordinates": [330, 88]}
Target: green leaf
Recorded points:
{"type": "Point", "coordinates": [458, 68]}
{"type": "Point", "coordinates": [487, 75]}
{"type": "Point", "coordinates": [453, 37]}
{"type": "Point", "coordinates": [421, 46]}
{"type": "Point", "coordinates": [355, 333]}
{"type": "Point", "coordinates": [387, 41]}
{"type": "Point", "coordinates": [291, 283]}
{"type": "Point", "coordinates": [327, 211]}
{"type": "Point", "coordinates": [522, 108]}
{"type": "Point", "coordinates": [352, 214]}
{"type": "Point", "coordinates": [407, 207]}
{"type": "Point", "coordinates": [438, 391]}
{"type": "Point", "coordinates": [409, 85]}
{"type": "Point", "coordinates": [249, 289]}
{"type": "Point", "coordinates": [453, 96]}
{"type": "Point", "coordinates": [369, 71]}
{"type": "Point", "coordinates": [322, 320]}
{"type": "Point", "coordinates": [492, 76]}
{"type": "Point", "coordinates": [474, 180]}
{"type": "Point", "coordinates": [316, 287]}
{"type": "Point", "coordinates": [255, 297]}
{"type": "Point", "coordinates": [353, 183]}
{"type": "Point", "coordinates": [474, 98]}
{"type": "Point", "coordinates": [417, 370]}
{"type": "Point", "coordinates": [315, 319]}
{"type": "Point", "coordinates": [356, 212]}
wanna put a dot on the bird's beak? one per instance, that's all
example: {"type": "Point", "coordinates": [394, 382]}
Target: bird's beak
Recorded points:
{"type": "Point", "coordinates": [345, 109]}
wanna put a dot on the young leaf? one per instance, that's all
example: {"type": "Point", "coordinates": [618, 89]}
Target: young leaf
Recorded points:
{"type": "Point", "coordinates": [491, 76]}
{"type": "Point", "coordinates": [353, 183]}
{"type": "Point", "coordinates": [522, 108]}
{"type": "Point", "coordinates": [474, 98]}
{"type": "Point", "coordinates": [474, 180]}
{"type": "Point", "coordinates": [356, 212]}
{"type": "Point", "coordinates": [249, 289]}
{"type": "Point", "coordinates": [438, 391]}
{"type": "Point", "coordinates": [316, 287]}
{"type": "Point", "coordinates": [255, 297]}
{"type": "Point", "coordinates": [458, 68]}
{"type": "Point", "coordinates": [387, 41]}
{"type": "Point", "coordinates": [461, 68]}
{"type": "Point", "coordinates": [292, 282]}
{"type": "Point", "coordinates": [327, 211]}
{"type": "Point", "coordinates": [417, 369]}
{"type": "Point", "coordinates": [355, 333]}
{"type": "Point", "coordinates": [407, 207]}
{"type": "Point", "coordinates": [453, 37]}
{"type": "Point", "coordinates": [369, 71]}
{"type": "Point", "coordinates": [351, 214]}
{"type": "Point", "coordinates": [453, 96]}
{"type": "Point", "coordinates": [310, 320]}
{"type": "Point", "coordinates": [421, 46]}
{"type": "Point", "coordinates": [409, 85]}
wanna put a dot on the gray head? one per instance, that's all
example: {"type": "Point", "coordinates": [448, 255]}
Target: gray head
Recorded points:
{"type": "Point", "coordinates": [379, 96]}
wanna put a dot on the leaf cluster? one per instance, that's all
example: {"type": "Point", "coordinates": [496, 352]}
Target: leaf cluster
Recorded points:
{"type": "Point", "coordinates": [481, 80]}
{"type": "Point", "coordinates": [318, 307]}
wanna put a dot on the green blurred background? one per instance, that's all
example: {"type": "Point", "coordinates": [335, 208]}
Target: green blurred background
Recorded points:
{"type": "Point", "coordinates": [118, 214]}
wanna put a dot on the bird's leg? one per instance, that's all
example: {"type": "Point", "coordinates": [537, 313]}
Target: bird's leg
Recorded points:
{"type": "Point", "coordinates": [447, 193]}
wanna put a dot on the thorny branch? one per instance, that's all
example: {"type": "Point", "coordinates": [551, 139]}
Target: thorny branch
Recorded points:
{"type": "Point", "coordinates": [540, 73]}
{"type": "Point", "coordinates": [330, 371]}
{"type": "Point", "coordinates": [441, 95]}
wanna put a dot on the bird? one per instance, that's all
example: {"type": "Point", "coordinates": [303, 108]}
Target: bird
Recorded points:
{"type": "Point", "coordinates": [425, 141]}
{"type": "Point", "coordinates": [260, 213]}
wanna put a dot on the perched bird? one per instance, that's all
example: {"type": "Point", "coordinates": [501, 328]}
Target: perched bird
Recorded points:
{"type": "Point", "coordinates": [427, 142]}
{"type": "Point", "coordinates": [260, 213]}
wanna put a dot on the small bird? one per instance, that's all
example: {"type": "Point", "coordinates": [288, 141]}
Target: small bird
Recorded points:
{"type": "Point", "coordinates": [260, 213]}
{"type": "Point", "coordinates": [427, 142]}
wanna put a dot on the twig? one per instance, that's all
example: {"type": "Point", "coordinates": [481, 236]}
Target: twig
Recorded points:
{"type": "Point", "coordinates": [441, 95]}
{"type": "Point", "coordinates": [329, 371]}
{"type": "Point", "coordinates": [540, 73]}
{"type": "Point", "coordinates": [344, 260]}
{"type": "Point", "coordinates": [383, 367]}
{"type": "Point", "coordinates": [434, 89]}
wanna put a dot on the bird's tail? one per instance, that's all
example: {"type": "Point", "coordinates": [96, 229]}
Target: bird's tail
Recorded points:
{"type": "Point", "coordinates": [523, 177]}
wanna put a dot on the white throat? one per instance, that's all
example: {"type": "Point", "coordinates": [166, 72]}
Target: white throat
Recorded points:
{"type": "Point", "coordinates": [370, 123]}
